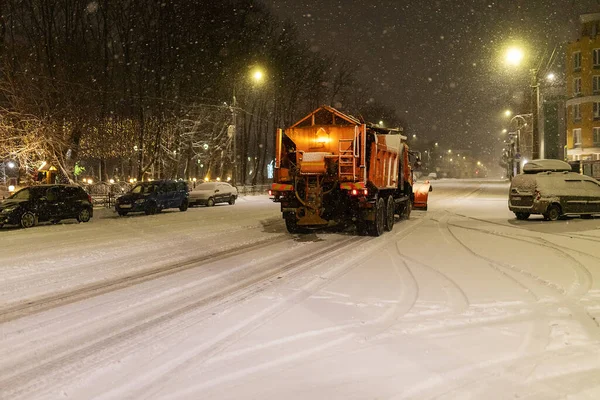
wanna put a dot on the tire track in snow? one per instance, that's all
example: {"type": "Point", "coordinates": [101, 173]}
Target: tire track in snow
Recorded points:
{"type": "Point", "coordinates": [578, 289]}
{"type": "Point", "coordinates": [209, 353]}
{"type": "Point", "coordinates": [583, 274]}
{"type": "Point", "coordinates": [22, 380]}
{"type": "Point", "coordinates": [36, 305]}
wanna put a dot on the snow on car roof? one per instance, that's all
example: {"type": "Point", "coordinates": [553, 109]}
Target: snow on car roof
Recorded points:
{"type": "Point", "coordinates": [535, 166]}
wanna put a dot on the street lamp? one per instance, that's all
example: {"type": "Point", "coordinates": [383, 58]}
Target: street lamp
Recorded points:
{"type": "Point", "coordinates": [257, 76]}
{"type": "Point", "coordinates": [514, 56]}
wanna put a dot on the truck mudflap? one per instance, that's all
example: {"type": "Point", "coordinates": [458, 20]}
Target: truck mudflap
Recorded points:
{"type": "Point", "coordinates": [421, 194]}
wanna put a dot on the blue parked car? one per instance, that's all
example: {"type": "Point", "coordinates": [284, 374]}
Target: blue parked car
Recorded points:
{"type": "Point", "coordinates": [153, 197]}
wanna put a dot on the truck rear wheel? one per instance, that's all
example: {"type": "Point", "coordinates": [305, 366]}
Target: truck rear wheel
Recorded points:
{"type": "Point", "coordinates": [405, 210]}
{"type": "Point", "coordinates": [377, 227]}
{"type": "Point", "coordinates": [390, 213]}
{"type": "Point", "coordinates": [291, 224]}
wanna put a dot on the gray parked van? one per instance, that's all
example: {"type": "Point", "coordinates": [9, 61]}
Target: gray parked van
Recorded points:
{"type": "Point", "coordinates": [548, 187]}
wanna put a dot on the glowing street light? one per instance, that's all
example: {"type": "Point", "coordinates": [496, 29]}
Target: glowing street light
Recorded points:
{"type": "Point", "coordinates": [258, 75]}
{"type": "Point", "coordinates": [551, 77]}
{"type": "Point", "coordinates": [514, 56]}
{"type": "Point", "coordinates": [10, 164]}
{"type": "Point", "coordinates": [508, 113]}
{"type": "Point", "coordinates": [504, 130]}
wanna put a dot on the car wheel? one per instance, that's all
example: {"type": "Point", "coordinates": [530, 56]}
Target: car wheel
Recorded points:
{"type": "Point", "coordinates": [84, 215]}
{"type": "Point", "coordinates": [151, 209]}
{"type": "Point", "coordinates": [28, 220]}
{"type": "Point", "coordinates": [210, 202]}
{"type": "Point", "coordinates": [552, 213]}
{"type": "Point", "coordinates": [184, 206]}
{"type": "Point", "coordinates": [232, 200]}
{"type": "Point", "coordinates": [522, 215]}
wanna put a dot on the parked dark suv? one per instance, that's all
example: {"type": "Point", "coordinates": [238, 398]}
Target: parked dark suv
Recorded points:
{"type": "Point", "coordinates": [53, 203]}
{"type": "Point", "coordinates": [152, 197]}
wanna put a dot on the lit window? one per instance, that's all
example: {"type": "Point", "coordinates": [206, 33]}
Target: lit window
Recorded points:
{"type": "Point", "coordinates": [577, 112]}
{"type": "Point", "coordinates": [577, 61]}
{"type": "Point", "coordinates": [576, 86]}
{"type": "Point", "coordinates": [577, 137]}
{"type": "Point", "coordinates": [596, 137]}
{"type": "Point", "coordinates": [596, 58]}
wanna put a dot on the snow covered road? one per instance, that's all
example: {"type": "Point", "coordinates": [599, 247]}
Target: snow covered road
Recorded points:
{"type": "Point", "coordinates": [461, 301]}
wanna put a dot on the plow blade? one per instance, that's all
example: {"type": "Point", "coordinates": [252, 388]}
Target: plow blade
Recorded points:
{"type": "Point", "coordinates": [421, 194]}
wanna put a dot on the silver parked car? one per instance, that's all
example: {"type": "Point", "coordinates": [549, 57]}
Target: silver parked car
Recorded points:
{"type": "Point", "coordinates": [211, 193]}
{"type": "Point", "coordinates": [551, 189]}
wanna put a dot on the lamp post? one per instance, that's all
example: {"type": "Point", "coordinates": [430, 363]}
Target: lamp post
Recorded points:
{"type": "Point", "coordinates": [514, 56]}
{"type": "Point", "coordinates": [517, 135]}
{"type": "Point", "coordinates": [535, 104]}
{"type": "Point", "coordinates": [257, 75]}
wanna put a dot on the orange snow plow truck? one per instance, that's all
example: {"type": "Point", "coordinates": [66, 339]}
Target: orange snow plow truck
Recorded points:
{"type": "Point", "coordinates": [331, 168]}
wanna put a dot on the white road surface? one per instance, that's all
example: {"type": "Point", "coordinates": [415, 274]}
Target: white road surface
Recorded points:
{"type": "Point", "coordinates": [460, 302]}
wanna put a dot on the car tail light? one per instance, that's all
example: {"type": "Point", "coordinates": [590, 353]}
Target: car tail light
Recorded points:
{"type": "Point", "coordinates": [270, 192]}
{"type": "Point", "coordinates": [537, 194]}
{"type": "Point", "coordinates": [354, 192]}
{"type": "Point", "coordinates": [366, 192]}
{"type": "Point", "coordinates": [90, 198]}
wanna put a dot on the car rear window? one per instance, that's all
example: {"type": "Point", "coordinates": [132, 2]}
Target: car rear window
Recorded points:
{"type": "Point", "coordinates": [207, 186]}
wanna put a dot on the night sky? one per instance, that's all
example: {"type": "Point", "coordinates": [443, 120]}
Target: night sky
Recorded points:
{"type": "Point", "coordinates": [439, 63]}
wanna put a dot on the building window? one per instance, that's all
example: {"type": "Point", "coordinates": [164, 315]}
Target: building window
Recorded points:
{"type": "Point", "coordinates": [577, 137]}
{"type": "Point", "coordinates": [596, 84]}
{"type": "Point", "coordinates": [577, 61]}
{"type": "Point", "coordinates": [596, 110]}
{"type": "Point", "coordinates": [596, 58]}
{"type": "Point", "coordinates": [596, 137]}
{"type": "Point", "coordinates": [577, 87]}
{"type": "Point", "coordinates": [577, 112]}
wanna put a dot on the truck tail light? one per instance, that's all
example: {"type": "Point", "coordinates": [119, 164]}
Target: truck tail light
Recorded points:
{"type": "Point", "coordinates": [537, 194]}
{"type": "Point", "coordinates": [356, 192]}
{"type": "Point", "coordinates": [270, 192]}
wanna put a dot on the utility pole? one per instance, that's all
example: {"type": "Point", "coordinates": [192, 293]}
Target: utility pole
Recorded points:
{"type": "Point", "coordinates": [233, 133]}
{"type": "Point", "coordinates": [535, 105]}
